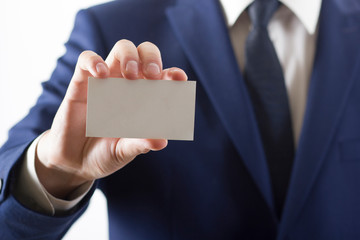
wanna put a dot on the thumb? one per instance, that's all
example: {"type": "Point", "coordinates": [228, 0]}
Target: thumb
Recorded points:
{"type": "Point", "coordinates": [128, 148]}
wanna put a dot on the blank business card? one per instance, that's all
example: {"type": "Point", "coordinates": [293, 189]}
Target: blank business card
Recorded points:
{"type": "Point", "coordinates": [141, 108]}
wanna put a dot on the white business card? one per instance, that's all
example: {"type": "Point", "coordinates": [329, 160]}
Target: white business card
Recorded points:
{"type": "Point", "coordinates": [155, 109]}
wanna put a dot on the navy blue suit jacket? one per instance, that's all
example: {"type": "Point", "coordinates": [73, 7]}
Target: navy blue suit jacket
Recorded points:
{"type": "Point", "coordinates": [218, 186]}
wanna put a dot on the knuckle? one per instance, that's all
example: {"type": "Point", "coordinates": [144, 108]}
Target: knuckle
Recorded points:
{"type": "Point", "coordinates": [85, 54]}
{"type": "Point", "coordinates": [124, 49]}
{"type": "Point", "coordinates": [149, 52]}
{"type": "Point", "coordinates": [122, 42]}
{"type": "Point", "coordinates": [146, 44]}
{"type": "Point", "coordinates": [149, 46]}
{"type": "Point", "coordinates": [121, 157]}
{"type": "Point", "coordinates": [119, 154]}
{"type": "Point", "coordinates": [93, 58]}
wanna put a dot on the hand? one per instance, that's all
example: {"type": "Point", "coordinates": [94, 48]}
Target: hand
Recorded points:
{"type": "Point", "coordinates": [65, 158]}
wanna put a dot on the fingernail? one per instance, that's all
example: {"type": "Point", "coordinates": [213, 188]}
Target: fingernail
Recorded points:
{"type": "Point", "coordinates": [153, 69]}
{"type": "Point", "coordinates": [132, 67]}
{"type": "Point", "coordinates": [100, 68]}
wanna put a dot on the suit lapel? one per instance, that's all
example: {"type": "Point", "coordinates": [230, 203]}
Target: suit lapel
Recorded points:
{"type": "Point", "coordinates": [201, 30]}
{"type": "Point", "coordinates": [336, 60]}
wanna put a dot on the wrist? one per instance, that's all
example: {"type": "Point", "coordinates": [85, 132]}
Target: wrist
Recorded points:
{"type": "Point", "coordinates": [57, 182]}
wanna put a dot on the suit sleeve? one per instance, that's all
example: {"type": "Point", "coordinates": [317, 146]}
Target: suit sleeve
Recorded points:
{"type": "Point", "coordinates": [17, 221]}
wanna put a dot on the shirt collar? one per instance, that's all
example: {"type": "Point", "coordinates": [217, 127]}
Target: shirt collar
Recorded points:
{"type": "Point", "coordinates": [307, 11]}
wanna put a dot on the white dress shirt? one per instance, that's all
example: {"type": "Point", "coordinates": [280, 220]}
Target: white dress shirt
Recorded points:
{"type": "Point", "coordinates": [293, 30]}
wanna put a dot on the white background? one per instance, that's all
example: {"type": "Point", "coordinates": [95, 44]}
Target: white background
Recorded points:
{"type": "Point", "coordinates": [32, 35]}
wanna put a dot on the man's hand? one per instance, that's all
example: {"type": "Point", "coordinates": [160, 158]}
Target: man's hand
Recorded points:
{"type": "Point", "coordinates": [65, 158]}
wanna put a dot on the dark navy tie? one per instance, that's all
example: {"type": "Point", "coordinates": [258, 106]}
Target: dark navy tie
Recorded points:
{"type": "Point", "coordinates": [266, 85]}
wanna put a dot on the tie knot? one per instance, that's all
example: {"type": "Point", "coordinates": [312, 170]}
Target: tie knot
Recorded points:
{"type": "Point", "coordinates": [261, 11]}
